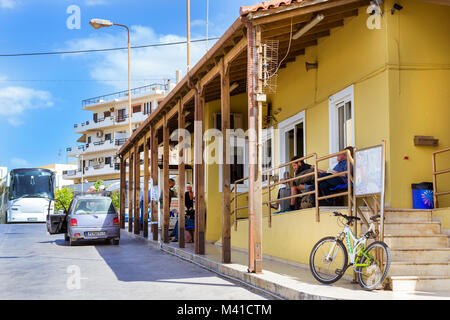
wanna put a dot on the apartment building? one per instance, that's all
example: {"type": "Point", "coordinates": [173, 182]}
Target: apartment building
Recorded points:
{"type": "Point", "coordinates": [107, 129]}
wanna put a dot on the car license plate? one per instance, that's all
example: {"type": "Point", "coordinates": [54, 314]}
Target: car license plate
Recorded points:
{"type": "Point", "coordinates": [95, 234]}
{"type": "Point", "coordinates": [32, 219]}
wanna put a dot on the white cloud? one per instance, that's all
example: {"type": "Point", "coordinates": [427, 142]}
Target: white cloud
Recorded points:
{"type": "Point", "coordinates": [95, 2]}
{"type": "Point", "coordinates": [146, 63]}
{"type": "Point", "coordinates": [15, 122]}
{"type": "Point", "coordinates": [17, 162]}
{"type": "Point", "coordinates": [15, 101]}
{"type": "Point", "coordinates": [8, 4]}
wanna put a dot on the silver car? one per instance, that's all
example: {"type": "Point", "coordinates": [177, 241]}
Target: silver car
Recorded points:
{"type": "Point", "coordinates": [89, 217]}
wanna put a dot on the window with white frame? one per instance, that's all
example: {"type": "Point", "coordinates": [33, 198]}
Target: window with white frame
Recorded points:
{"type": "Point", "coordinates": [342, 121]}
{"type": "Point", "coordinates": [292, 138]}
{"type": "Point", "coordinates": [268, 149]}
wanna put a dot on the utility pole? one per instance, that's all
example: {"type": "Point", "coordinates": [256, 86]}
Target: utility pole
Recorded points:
{"type": "Point", "coordinates": [188, 35]}
{"type": "Point", "coordinates": [207, 24]}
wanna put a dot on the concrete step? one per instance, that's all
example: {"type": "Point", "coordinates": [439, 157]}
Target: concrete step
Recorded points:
{"type": "Point", "coordinates": [419, 269]}
{"type": "Point", "coordinates": [414, 283]}
{"type": "Point", "coordinates": [422, 242]}
{"type": "Point", "coordinates": [417, 255]}
{"type": "Point", "coordinates": [407, 216]}
{"type": "Point", "coordinates": [412, 228]}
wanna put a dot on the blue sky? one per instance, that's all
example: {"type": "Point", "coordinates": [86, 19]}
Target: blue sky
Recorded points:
{"type": "Point", "coordinates": [40, 96]}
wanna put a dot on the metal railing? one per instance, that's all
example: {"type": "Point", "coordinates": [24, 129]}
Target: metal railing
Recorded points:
{"type": "Point", "coordinates": [435, 174]}
{"type": "Point", "coordinates": [315, 192]}
{"type": "Point", "coordinates": [120, 94]}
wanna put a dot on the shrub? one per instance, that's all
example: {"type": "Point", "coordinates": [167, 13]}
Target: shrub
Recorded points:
{"type": "Point", "coordinates": [65, 195]}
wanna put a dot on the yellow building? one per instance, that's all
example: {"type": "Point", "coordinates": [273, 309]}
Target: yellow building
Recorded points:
{"type": "Point", "coordinates": [346, 74]}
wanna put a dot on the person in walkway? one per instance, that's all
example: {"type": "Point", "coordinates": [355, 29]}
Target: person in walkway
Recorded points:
{"type": "Point", "coordinates": [189, 198]}
{"type": "Point", "coordinates": [298, 185]}
{"type": "Point", "coordinates": [172, 194]}
{"type": "Point", "coordinates": [326, 186]}
{"type": "Point", "coordinates": [189, 221]}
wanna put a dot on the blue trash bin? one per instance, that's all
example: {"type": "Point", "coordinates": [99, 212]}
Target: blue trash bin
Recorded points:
{"type": "Point", "coordinates": [422, 194]}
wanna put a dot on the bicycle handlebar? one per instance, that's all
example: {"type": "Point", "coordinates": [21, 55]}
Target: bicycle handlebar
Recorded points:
{"type": "Point", "coordinates": [348, 218]}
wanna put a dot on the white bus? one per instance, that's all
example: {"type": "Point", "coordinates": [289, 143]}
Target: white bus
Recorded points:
{"type": "Point", "coordinates": [27, 195]}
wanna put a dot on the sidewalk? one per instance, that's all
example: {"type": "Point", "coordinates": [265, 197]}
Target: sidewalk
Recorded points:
{"type": "Point", "coordinates": [282, 279]}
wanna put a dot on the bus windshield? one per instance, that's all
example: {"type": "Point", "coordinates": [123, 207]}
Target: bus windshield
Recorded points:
{"type": "Point", "coordinates": [32, 183]}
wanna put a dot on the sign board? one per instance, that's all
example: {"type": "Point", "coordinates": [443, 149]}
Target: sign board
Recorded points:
{"type": "Point", "coordinates": [369, 171]}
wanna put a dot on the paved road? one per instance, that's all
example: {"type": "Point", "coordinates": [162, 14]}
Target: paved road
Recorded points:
{"type": "Point", "coordinates": [36, 265]}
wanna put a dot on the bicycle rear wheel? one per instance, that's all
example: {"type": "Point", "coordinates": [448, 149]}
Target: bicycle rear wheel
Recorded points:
{"type": "Point", "coordinates": [379, 260]}
{"type": "Point", "coordinates": [328, 259]}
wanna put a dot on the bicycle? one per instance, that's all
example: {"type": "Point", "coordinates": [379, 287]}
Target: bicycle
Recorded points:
{"type": "Point", "coordinates": [371, 264]}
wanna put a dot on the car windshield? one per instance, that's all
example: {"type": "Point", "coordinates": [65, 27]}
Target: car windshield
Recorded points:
{"type": "Point", "coordinates": [95, 206]}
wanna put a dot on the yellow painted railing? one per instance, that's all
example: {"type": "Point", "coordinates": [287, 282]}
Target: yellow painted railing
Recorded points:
{"type": "Point", "coordinates": [271, 183]}
{"type": "Point", "coordinates": [435, 174]}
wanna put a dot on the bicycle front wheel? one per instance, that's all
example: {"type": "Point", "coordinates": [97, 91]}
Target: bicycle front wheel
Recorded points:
{"type": "Point", "coordinates": [328, 259]}
{"type": "Point", "coordinates": [377, 257]}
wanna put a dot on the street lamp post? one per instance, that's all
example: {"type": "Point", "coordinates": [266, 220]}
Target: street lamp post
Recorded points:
{"type": "Point", "coordinates": [100, 23]}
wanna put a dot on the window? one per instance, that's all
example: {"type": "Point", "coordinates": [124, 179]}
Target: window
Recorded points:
{"type": "Point", "coordinates": [108, 160]}
{"type": "Point", "coordinates": [147, 107]}
{"type": "Point", "coordinates": [268, 147]}
{"type": "Point", "coordinates": [292, 138]}
{"type": "Point", "coordinates": [120, 115]}
{"type": "Point", "coordinates": [107, 114]}
{"type": "Point", "coordinates": [341, 117]}
{"type": "Point", "coordinates": [108, 137]}
{"type": "Point", "coordinates": [95, 117]}
{"type": "Point", "coordinates": [89, 140]}
{"type": "Point", "coordinates": [137, 108]}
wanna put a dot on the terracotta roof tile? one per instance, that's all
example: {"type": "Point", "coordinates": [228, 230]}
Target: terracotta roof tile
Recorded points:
{"type": "Point", "coordinates": [266, 5]}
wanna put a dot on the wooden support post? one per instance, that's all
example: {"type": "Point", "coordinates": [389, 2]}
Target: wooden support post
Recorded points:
{"type": "Point", "coordinates": [181, 180]}
{"type": "Point", "coordinates": [123, 191]}
{"type": "Point", "coordinates": [130, 192]}
{"type": "Point", "coordinates": [166, 202]}
{"type": "Point", "coordinates": [146, 182]}
{"type": "Point", "coordinates": [154, 176]}
{"type": "Point", "coordinates": [226, 216]}
{"type": "Point", "coordinates": [137, 188]}
{"type": "Point", "coordinates": [199, 238]}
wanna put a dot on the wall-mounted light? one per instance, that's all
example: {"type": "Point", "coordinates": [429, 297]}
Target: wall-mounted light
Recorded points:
{"type": "Point", "coordinates": [234, 86]}
{"type": "Point", "coordinates": [308, 26]}
{"type": "Point", "coordinates": [397, 7]}
{"type": "Point", "coordinates": [310, 66]}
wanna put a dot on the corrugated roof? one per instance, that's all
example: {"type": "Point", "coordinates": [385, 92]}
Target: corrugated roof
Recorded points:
{"type": "Point", "coordinates": [265, 5]}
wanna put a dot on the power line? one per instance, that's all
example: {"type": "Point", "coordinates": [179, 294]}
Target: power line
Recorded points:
{"type": "Point", "coordinates": [101, 50]}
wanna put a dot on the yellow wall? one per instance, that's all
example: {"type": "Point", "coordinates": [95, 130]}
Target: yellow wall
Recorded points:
{"type": "Point", "coordinates": [419, 78]}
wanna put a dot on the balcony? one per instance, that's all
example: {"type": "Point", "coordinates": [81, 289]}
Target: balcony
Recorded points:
{"type": "Point", "coordinates": [75, 151]}
{"type": "Point", "coordinates": [92, 171]}
{"type": "Point", "coordinates": [154, 88]}
{"type": "Point", "coordinates": [109, 122]}
{"type": "Point", "coordinates": [94, 125]}
{"type": "Point", "coordinates": [102, 145]}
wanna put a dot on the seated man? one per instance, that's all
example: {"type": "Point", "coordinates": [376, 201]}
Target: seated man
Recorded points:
{"type": "Point", "coordinates": [297, 186]}
{"type": "Point", "coordinates": [283, 192]}
{"type": "Point", "coordinates": [325, 186]}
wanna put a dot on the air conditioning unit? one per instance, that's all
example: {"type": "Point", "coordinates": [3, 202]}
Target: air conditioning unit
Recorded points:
{"type": "Point", "coordinates": [99, 134]}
